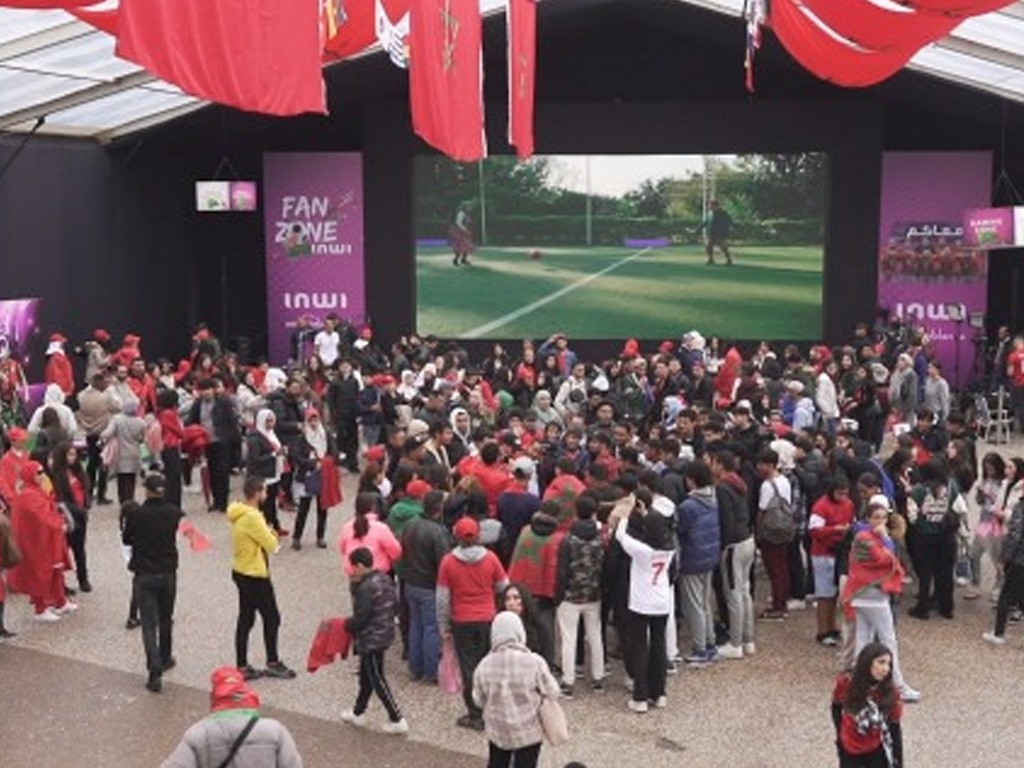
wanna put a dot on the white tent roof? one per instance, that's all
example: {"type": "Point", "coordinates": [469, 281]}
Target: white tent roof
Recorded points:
{"type": "Point", "coordinates": [57, 68]}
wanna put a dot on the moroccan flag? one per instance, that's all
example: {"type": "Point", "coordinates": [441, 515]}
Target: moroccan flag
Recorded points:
{"type": "Point", "coordinates": [445, 76]}
{"type": "Point", "coordinates": [522, 70]}
{"type": "Point", "coordinates": [256, 55]}
{"type": "Point", "coordinates": [348, 27]}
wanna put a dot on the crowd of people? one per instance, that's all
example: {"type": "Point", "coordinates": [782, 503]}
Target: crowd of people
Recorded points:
{"type": "Point", "coordinates": [630, 499]}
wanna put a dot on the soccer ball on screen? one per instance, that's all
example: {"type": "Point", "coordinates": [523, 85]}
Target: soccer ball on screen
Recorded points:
{"type": "Point", "coordinates": [535, 254]}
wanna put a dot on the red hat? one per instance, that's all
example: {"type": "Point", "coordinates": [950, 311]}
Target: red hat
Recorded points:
{"type": "Point", "coordinates": [631, 349]}
{"type": "Point", "coordinates": [57, 338]}
{"type": "Point", "coordinates": [466, 529]}
{"type": "Point", "coordinates": [366, 332]}
{"type": "Point", "coordinates": [29, 472]}
{"type": "Point", "coordinates": [666, 347]}
{"type": "Point", "coordinates": [376, 453]}
{"type": "Point", "coordinates": [228, 690]}
{"type": "Point", "coordinates": [417, 489]}
{"type": "Point", "coordinates": [101, 335]}
{"type": "Point", "coordinates": [130, 340]}
{"type": "Point", "coordinates": [202, 335]}
{"type": "Point", "coordinates": [311, 413]}
{"type": "Point", "coordinates": [17, 435]}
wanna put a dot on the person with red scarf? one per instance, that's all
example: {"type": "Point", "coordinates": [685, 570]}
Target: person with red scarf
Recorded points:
{"type": "Point", "coordinates": [38, 528]}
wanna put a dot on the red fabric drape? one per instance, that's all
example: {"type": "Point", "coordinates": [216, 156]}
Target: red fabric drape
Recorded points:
{"type": "Point", "coordinates": [961, 8]}
{"type": "Point", "coordinates": [355, 31]}
{"type": "Point", "coordinates": [830, 59]}
{"type": "Point", "coordinates": [48, 4]}
{"type": "Point", "coordinates": [251, 54]}
{"type": "Point", "coordinates": [445, 76]}
{"type": "Point", "coordinates": [872, 26]}
{"type": "Point", "coordinates": [522, 72]}
{"type": "Point", "coordinates": [105, 21]}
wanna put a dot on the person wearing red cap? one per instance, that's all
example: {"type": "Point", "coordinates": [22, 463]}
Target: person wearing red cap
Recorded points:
{"type": "Point", "coordinates": [468, 582]}
{"type": "Point", "coordinates": [96, 352]}
{"type": "Point", "coordinates": [58, 367]}
{"type": "Point", "coordinates": [128, 352]}
{"type": "Point", "coordinates": [38, 529]}
{"type": "Point", "coordinates": [11, 463]}
{"type": "Point", "coordinates": [234, 733]}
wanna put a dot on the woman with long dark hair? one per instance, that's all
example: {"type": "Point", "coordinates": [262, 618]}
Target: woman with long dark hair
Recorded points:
{"type": "Point", "coordinates": [366, 530]}
{"type": "Point", "coordinates": [517, 598]}
{"type": "Point", "coordinates": [71, 489]}
{"type": "Point", "coordinates": [989, 532]}
{"type": "Point", "coordinates": [866, 711]}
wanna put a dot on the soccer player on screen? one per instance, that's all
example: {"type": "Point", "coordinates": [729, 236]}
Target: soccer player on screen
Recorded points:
{"type": "Point", "coordinates": [717, 224]}
{"type": "Point", "coordinates": [461, 237]}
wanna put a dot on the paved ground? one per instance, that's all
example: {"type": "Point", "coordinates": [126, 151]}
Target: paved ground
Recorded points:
{"type": "Point", "coordinates": [72, 693]}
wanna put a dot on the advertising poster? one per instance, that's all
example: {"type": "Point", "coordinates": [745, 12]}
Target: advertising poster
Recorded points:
{"type": "Point", "coordinates": [313, 219]}
{"type": "Point", "coordinates": [928, 274]}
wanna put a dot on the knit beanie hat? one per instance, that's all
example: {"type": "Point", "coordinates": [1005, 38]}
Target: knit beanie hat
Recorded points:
{"type": "Point", "coordinates": [230, 691]}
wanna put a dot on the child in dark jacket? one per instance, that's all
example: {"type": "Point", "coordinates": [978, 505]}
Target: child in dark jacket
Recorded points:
{"type": "Point", "coordinates": [372, 626]}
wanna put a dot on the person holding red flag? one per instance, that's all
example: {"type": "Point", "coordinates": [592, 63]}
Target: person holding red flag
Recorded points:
{"type": "Point", "coordinates": [58, 367]}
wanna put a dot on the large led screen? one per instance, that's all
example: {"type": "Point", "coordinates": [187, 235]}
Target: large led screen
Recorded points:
{"type": "Point", "coordinates": [613, 246]}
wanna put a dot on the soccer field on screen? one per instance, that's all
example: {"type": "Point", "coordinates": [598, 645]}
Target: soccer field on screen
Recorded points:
{"type": "Point", "coordinates": [609, 292]}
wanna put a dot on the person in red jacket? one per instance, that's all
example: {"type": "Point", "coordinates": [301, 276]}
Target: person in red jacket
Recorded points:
{"type": "Point", "coordinates": [831, 518]}
{"type": "Point", "coordinates": [866, 711]}
{"type": "Point", "coordinates": [172, 434]}
{"type": "Point", "coordinates": [493, 475]}
{"type": "Point", "coordinates": [58, 367]}
{"type": "Point", "coordinates": [11, 463]}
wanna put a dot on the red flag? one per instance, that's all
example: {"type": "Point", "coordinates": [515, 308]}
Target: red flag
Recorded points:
{"type": "Point", "coordinates": [445, 76]}
{"type": "Point", "coordinates": [103, 20]}
{"type": "Point", "coordinates": [348, 27]}
{"type": "Point", "coordinates": [522, 71]}
{"type": "Point", "coordinates": [257, 55]}
{"type": "Point", "coordinates": [48, 4]}
{"type": "Point", "coordinates": [197, 540]}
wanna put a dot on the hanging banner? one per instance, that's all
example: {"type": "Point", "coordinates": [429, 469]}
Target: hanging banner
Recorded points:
{"type": "Point", "coordinates": [313, 223]}
{"type": "Point", "coordinates": [19, 323]}
{"type": "Point", "coordinates": [989, 228]}
{"type": "Point", "coordinates": [927, 273]}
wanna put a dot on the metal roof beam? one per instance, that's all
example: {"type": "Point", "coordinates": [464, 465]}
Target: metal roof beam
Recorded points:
{"type": "Point", "coordinates": [981, 51]}
{"type": "Point", "coordinates": [75, 99]}
{"type": "Point", "coordinates": [46, 39]}
{"type": "Point", "coordinates": [150, 120]}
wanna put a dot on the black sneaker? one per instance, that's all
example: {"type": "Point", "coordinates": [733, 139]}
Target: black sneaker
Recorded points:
{"type": "Point", "coordinates": [597, 686]}
{"type": "Point", "coordinates": [6, 634]}
{"type": "Point", "coordinates": [170, 664]}
{"type": "Point", "coordinates": [132, 623]}
{"type": "Point", "coordinates": [85, 586]}
{"type": "Point", "coordinates": [279, 671]}
{"type": "Point", "coordinates": [566, 691]}
{"type": "Point", "coordinates": [249, 672]}
{"type": "Point", "coordinates": [473, 723]}
{"type": "Point", "coordinates": [321, 544]}
{"type": "Point", "coordinates": [154, 684]}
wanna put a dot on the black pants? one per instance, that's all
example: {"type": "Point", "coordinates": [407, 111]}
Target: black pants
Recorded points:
{"type": "Point", "coordinates": [797, 569]}
{"type": "Point", "coordinates": [300, 519]}
{"type": "Point", "coordinates": [348, 442]}
{"type": "Point", "coordinates": [171, 459]}
{"type": "Point", "coordinates": [1010, 596]}
{"type": "Point", "coordinates": [472, 643]}
{"type": "Point", "coordinates": [372, 680]}
{"type": "Point", "coordinates": [220, 473]}
{"type": "Point", "coordinates": [269, 508]}
{"type": "Point", "coordinates": [648, 655]}
{"type": "Point", "coordinates": [524, 757]}
{"type": "Point", "coordinates": [155, 593]}
{"type": "Point", "coordinates": [126, 486]}
{"type": "Point", "coordinates": [255, 595]}
{"type": "Point", "coordinates": [94, 468]}
{"type": "Point", "coordinates": [936, 558]}
{"type": "Point", "coordinates": [76, 541]}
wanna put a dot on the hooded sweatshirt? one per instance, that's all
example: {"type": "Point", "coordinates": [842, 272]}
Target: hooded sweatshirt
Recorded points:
{"type": "Point", "coordinates": [252, 540]}
{"type": "Point", "coordinates": [580, 564]}
{"type": "Point", "coordinates": [534, 562]}
{"type": "Point", "coordinates": [54, 398]}
{"type": "Point", "coordinates": [699, 532]}
{"type": "Point", "coordinates": [468, 582]}
{"type": "Point", "coordinates": [733, 509]}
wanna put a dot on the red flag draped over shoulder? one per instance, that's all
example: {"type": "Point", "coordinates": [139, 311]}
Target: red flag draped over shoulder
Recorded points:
{"type": "Point", "coordinates": [522, 73]}
{"type": "Point", "coordinates": [40, 5]}
{"type": "Point", "coordinates": [445, 76]}
{"type": "Point", "coordinates": [256, 55]}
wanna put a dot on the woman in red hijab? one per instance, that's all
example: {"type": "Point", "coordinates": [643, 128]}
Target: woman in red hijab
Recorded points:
{"type": "Point", "coordinates": [39, 530]}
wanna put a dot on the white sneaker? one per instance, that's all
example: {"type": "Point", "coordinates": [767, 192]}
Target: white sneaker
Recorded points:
{"type": "Point", "coordinates": [796, 605]}
{"type": "Point", "coordinates": [48, 615]}
{"type": "Point", "coordinates": [730, 651]}
{"type": "Point", "coordinates": [349, 716]}
{"type": "Point", "coordinates": [909, 695]}
{"type": "Point", "coordinates": [398, 728]}
{"type": "Point", "coordinates": [661, 702]}
{"type": "Point", "coordinates": [749, 649]}
{"type": "Point", "coordinates": [68, 607]}
{"type": "Point", "coordinates": [962, 581]}
{"type": "Point", "coordinates": [993, 638]}
{"type": "Point", "coordinates": [640, 707]}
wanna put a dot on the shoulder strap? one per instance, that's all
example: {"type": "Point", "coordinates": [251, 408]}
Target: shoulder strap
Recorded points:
{"type": "Point", "coordinates": [239, 741]}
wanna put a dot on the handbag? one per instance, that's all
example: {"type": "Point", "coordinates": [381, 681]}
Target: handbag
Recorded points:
{"type": "Point", "coordinates": [238, 741]}
{"type": "Point", "coordinates": [110, 453]}
{"type": "Point", "coordinates": [313, 482]}
{"type": "Point", "coordinates": [449, 676]}
{"type": "Point", "coordinates": [553, 721]}
{"type": "Point", "coordinates": [10, 555]}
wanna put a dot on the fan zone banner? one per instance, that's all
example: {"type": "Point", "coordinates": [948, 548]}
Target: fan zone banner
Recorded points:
{"type": "Point", "coordinates": [928, 273]}
{"type": "Point", "coordinates": [313, 223]}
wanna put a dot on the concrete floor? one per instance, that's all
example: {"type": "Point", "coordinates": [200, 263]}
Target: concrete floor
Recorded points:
{"type": "Point", "coordinates": [72, 693]}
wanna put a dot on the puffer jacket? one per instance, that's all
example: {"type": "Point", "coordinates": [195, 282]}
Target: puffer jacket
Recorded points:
{"type": "Point", "coordinates": [374, 606]}
{"type": "Point", "coordinates": [699, 533]}
{"type": "Point", "coordinates": [1013, 544]}
{"type": "Point", "coordinates": [207, 743]}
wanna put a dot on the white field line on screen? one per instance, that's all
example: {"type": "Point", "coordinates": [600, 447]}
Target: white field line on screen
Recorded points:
{"type": "Point", "coordinates": [494, 325]}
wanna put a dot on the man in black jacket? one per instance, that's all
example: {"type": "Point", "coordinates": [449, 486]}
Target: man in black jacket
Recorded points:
{"type": "Point", "coordinates": [343, 401]}
{"type": "Point", "coordinates": [151, 532]}
{"type": "Point", "coordinates": [215, 413]}
{"type": "Point", "coordinates": [372, 626]}
{"type": "Point", "coordinates": [425, 541]}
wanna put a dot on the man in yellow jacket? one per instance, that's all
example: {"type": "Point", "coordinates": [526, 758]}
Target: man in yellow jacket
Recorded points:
{"type": "Point", "coordinates": [254, 542]}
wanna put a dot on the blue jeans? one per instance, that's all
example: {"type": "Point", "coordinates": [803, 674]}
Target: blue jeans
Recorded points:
{"type": "Point", "coordinates": [424, 637]}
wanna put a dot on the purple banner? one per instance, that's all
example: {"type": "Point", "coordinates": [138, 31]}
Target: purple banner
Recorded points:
{"type": "Point", "coordinates": [927, 273]}
{"type": "Point", "coordinates": [313, 214]}
{"type": "Point", "coordinates": [19, 323]}
{"type": "Point", "coordinates": [989, 227]}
